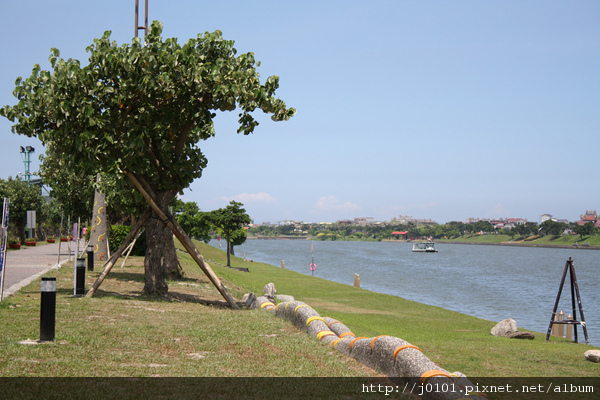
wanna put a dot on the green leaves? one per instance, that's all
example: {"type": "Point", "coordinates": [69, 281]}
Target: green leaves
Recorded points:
{"type": "Point", "coordinates": [144, 107]}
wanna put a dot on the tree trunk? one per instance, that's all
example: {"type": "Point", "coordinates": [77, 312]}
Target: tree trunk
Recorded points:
{"type": "Point", "coordinates": [155, 283]}
{"type": "Point", "coordinates": [160, 261]}
{"type": "Point", "coordinates": [228, 250]}
{"type": "Point", "coordinates": [99, 229]}
{"type": "Point", "coordinates": [171, 265]}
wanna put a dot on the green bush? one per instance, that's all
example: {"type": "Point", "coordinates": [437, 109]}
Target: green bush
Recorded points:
{"type": "Point", "coordinates": [118, 233]}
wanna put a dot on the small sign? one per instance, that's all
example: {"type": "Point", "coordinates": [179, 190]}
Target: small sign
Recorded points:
{"type": "Point", "coordinates": [31, 219]}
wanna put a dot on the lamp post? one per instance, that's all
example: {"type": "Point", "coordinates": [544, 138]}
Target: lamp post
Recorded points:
{"type": "Point", "coordinates": [90, 257]}
{"type": "Point", "coordinates": [27, 150]}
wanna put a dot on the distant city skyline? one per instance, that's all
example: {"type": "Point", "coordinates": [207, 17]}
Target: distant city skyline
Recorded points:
{"type": "Point", "coordinates": [404, 219]}
{"type": "Point", "coordinates": [439, 110]}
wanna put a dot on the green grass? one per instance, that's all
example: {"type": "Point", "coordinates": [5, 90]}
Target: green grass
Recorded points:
{"type": "Point", "coordinates": [455, 341]}
{"type": "Point", "coordinates": [119, 333]}
{"type": "Point", "coordinates": [564, 240]}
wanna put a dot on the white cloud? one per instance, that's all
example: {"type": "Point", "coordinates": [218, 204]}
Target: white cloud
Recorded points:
{"type": "Point", "coordinates": [332, 204]}
{"type": "Point", "coordinates": [251, 198]}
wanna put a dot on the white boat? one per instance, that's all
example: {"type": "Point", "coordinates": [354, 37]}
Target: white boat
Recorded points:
{"type": "Point", "coordinates": [424, 247]}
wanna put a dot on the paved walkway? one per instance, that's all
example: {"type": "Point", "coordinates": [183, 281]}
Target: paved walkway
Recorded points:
{"type": "Point", "coordinates": [30, 263]}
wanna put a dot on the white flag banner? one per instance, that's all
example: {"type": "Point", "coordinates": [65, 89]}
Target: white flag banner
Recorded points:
{"type": "Point", "coordinates": [3, 240]}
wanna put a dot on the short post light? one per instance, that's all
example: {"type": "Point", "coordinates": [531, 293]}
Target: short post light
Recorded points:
{"type": "Point", "coordinates": [48, 309]}
{"type": "Point", "coordinates": [79, 284]}
{"type": "Point", "coordinates": [90, 257]}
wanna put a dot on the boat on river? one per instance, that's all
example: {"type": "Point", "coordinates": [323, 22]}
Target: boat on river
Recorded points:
{"type": "Point", "coordinates": [424, 247]}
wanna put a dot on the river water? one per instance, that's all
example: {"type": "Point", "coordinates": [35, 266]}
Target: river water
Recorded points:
{"type": "Point", "coordinates": [489, 282]}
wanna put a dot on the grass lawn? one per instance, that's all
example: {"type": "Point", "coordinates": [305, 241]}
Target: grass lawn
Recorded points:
{"type": "Point", "coordinates": [119, 333]}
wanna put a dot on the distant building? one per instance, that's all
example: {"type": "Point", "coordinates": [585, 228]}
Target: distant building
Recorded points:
{"type": "Point", "coordinates": [407, 219]}
{"type": "Point", "coordinates": [400, 235]}
{"type": "Point", "coordinates": [364, 220]}
{"type": "Point", "coordinates": [546, 217]}
{"type": "Point", "coordinates": [589, 216]}
{"type": "Point", "coordinates": [500, 223]}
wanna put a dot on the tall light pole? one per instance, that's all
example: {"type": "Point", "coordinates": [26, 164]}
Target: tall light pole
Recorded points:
{"type": "Point", "coordinates": [27, 161]}
{"type": "Point", "coordinates": [137, 19]}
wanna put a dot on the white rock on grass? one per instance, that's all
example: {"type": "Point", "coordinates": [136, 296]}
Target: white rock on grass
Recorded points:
{"type": "Point", "coordinates": [593, 355]}
{"type": "Point", "coordinates": [505, 328]}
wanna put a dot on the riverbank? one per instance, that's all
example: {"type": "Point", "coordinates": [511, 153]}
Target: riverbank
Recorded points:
{"type": "Point", "coordinates": [523, 244]}
{"type": "Point", "coordinates": [121, 333]}
{"type": "Point", "coordinates": [453, 340]}
{"type": "Point", "coordinates": [560, 242]}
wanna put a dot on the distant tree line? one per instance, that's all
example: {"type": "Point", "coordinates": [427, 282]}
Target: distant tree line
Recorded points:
{"type": "Point", "coordinates": [227, 223]}
{"type": "Point", "coordinates": [449, 230]}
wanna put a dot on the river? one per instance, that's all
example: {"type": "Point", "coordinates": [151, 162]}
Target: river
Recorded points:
{"type": "Point", "coordinates": [489, 282]}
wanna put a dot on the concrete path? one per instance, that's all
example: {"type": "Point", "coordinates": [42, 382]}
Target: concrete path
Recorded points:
{"type": "Point", "coordinates": [29, 263]}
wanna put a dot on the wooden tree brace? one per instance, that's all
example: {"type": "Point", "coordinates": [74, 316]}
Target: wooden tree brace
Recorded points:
{"type": "Point", "coordinates": [183, 238]}
{"type": "Point", "coordinates": [110, 263]}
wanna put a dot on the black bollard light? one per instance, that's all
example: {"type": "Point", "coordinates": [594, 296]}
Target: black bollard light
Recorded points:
{"type": "Point", "coordinates": [90, 257]}
{"type": "Point", "coordinates": [79, 286]}
{"type": "Point", "coordinates": [48, 309]}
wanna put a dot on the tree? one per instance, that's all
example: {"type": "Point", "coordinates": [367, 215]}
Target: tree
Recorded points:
{"type": "Point", "coordinates": [588, 229]}
{"type": "Point", "coordinates": [140, 110]}
{"type": "Point", "coordinates": [195, 222]}
{"type": "Point", "coordinates": [229, 220]}
{"type": "Point", "coordinates": [23, 197]}
{"type": "Point", "coordinates": [554, 228]}
{"type": "Point", "coordinates": [51, 219]}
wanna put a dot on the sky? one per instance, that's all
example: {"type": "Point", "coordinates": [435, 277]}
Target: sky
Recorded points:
{"type": "Point", "coordinates": [440, 110]}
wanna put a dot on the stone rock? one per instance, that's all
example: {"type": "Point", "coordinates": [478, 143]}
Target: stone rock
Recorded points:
{"type": "Point", "coordinates": [249, 300]}
{"type": "Point", "coordinates": [284, 298]}
{"type": "Point", "coordinates": [521, 335]}
{"type": "Point", "coordinates": [593, 355]}
{"type": "Point", "coordinates": [505, 327]}
{"type": "Point", "coordinates": [270, 291]}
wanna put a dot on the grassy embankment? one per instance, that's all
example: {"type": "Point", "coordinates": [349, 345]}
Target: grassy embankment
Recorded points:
{"type": "Point", "coordinates": [119, 333]}
{"type": "Point", "coordinates": [564, 240]}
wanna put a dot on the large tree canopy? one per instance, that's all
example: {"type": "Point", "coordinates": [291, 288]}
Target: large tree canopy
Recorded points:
{"type": "Point", "coordinates": [141, 109]}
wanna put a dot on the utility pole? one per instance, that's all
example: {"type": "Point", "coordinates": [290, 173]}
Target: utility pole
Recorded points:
{"type": "Point", "coordinates": [137, 19]}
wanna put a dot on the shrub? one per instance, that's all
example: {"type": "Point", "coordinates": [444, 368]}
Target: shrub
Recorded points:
{"type": "Point", "coordinates": [118, 233]}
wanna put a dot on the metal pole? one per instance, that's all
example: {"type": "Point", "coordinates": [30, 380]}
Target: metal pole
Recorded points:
{"type": "Point", "coordinates": [48, 309]}
{"type": "Point", "coordinates": [146, 20]}
{"type": "Point", "coordinates": [560, 288]}
{"type": "Point", "coordinates": [573, 297]}
{"type": "Point", "coordinates": [3, 245]}
{"type": "Point", "coordinates": [137, 9]}
{"type": "Point", "coordinates": [62, 214]}
{"type": "Point", "coordinates": [574, 278]}
{"type": "Point", "coordinates": [137, 18]}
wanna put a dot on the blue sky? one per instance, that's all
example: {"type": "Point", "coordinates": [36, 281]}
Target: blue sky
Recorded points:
{"type": "Point", "coordinates": [436, 109]}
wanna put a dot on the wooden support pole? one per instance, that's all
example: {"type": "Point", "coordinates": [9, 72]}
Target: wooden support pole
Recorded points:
{"type": "Point", "coordinates": [110, 263]}
{"type": "Point", "coordinates": [184, 239]}
{"type": "Point", "coordinates": [131, 246]}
